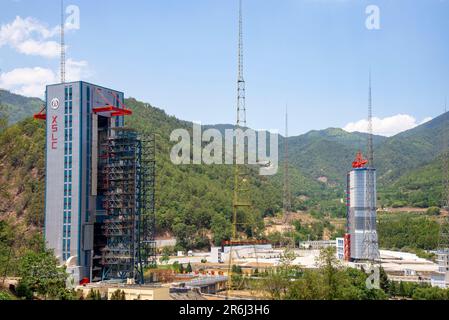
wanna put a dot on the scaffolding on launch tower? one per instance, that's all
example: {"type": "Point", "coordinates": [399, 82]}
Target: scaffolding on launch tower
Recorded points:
{"type": "Point", "coordinates": [128, 181]}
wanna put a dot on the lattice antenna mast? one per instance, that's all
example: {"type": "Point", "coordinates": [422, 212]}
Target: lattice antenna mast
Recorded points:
{"type": "Point", "coordinates": [287, 196]}
{"type": "Point", "coordinates": [240, 177]}
{"type": "Point", "coordinates": [241, 86]}
{"type": "Point", "coordinates": [62, 66]}
{"type": "Point", "coordinates": [370, 235]}
{"type": "Point", "coordinates": [370, 126]}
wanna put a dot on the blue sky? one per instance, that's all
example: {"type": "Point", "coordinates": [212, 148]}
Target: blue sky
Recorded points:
{"type": "Point", "coordinates": [313, 55]}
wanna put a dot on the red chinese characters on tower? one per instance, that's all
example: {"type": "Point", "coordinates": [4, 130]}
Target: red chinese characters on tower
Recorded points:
{"type": "Point", "coordinates": [54, 131]}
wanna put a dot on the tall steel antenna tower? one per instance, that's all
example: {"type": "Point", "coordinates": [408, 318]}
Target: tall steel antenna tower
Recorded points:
{"type": "Point", "coordinates": [287, 195]}
{"type": "Point", "coordinates": [370, 125]}
{"type": "Point", "coordinates": [240, 176]}
{"type": "Point", "coordinates": [241, 85]}
{"type": "Point", "coordinates": [370, 247]}
{"type": "Point", "coordinates": [62, 66]}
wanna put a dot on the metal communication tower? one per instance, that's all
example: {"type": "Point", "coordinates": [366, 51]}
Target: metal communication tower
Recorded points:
{"type": "Point", "coordinates": [240, 175]}
{"type": "Point", "coordinates": [241, 85]}
{"type": "Point", "coordinates": [287, 195]}
{"type": "Point", "coordinates": [241, 188]}
{"type": "Point", "coordinates": [370, 245]}
{"type": "Point", "coordinates": [62, 63]}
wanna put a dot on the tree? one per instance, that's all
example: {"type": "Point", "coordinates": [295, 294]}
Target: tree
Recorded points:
{"type": "Point", "coordinates": [40, 274]}
{"type": "Point", "coordinates": [393, 289]}
{"type": "Point", "coordinates": [384, 282]}
{"type": "Point", "coordinates": [431, 293]}
{"type": "Point", "coordinates": [433, 211]}
{"type": "Point", "coordinates": [309, 287]}
{"type": "Point", "coordinates": [328, 263]}
{"type": "Point", "coordinates": [118, 295]}
{"type": "Point", "coordinates": [287, 257]}
{"type": "Point", "coordinates": [221, 229]}
{"type": "Point", "coordinates": [3, 118]}
{"type": "Point", "coordinates": [94, 295]}
{"type": "Point", "coordinates": [402, 292]}
{"type": "Point", "coordinates": [165, 256]}
{"type": "Point", "coordinates": [5, 296]}
{"type": "Point", "coordinates": [236, 269]}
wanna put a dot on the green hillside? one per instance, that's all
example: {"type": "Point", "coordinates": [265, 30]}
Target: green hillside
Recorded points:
{"type": "Point", "coordinates": [421, 187]}
{"type": "Point", "coordinates": [15, 108]}
{"type": "Point", "coordinates": [411, 149]}
{"type": "Point", "coordinates": [194, 202]}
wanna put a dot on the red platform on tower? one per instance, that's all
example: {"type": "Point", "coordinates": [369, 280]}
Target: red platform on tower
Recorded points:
{"type": "Point", "coordinates": [359, 162]}
{"type": "Point", "coordinates": [110, 111]}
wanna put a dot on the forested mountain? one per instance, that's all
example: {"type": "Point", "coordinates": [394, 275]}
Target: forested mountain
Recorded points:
{"type": "Point", "coordinates": [15, 107]}
{"type": "Point", "coordinates": [194, 202]}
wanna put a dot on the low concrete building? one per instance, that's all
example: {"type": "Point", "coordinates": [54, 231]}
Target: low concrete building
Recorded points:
{"type": "Point", "coordinates": [142, 293]}
{"type": "Point", "coordinates": [340, 243]}
{"type": "Point", "coordinates": [441, 278]}
{"type": "Point", "coordinates": [316, 245]}
{"type": "Point", "coordinates": [132, 292]}
{"type": "Point", "coordinates": [207, 285]}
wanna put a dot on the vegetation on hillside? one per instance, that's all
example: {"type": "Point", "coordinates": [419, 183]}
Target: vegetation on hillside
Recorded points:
{"type": "Point", "coordinates": [16, 108]}
{"type": "Point", "coordinates": [401, 231]}
{"type": "Point", "coordinates": [195, 202]}
{"type": "Point", "coordinates": [420, 188]}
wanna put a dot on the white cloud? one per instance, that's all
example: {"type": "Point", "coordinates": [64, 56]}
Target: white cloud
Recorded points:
{"type": "Point", "coordinates": [388, 126]}
{"type": "Point", "coordinates": [31, 82]}
{"type": "Point", "coordinates": [77, 70]}
{"type": "Point", "coordinates": [31, 37]}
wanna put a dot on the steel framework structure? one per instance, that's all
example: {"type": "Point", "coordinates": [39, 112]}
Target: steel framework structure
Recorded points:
{"type": "Point", "coordinates": [241, 177]}
{"type": "Point", "coordinates": [128, 181]}
{"type": "Point", "coordinates": [147, 200]}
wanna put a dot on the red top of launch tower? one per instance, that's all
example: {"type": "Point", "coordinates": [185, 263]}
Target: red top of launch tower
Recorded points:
{"type": "Point", "coordinates": [359, 162]}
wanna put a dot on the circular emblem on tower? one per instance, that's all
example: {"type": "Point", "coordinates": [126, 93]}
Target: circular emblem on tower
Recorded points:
{"type": "Point", "coordinates": [54, 103]}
